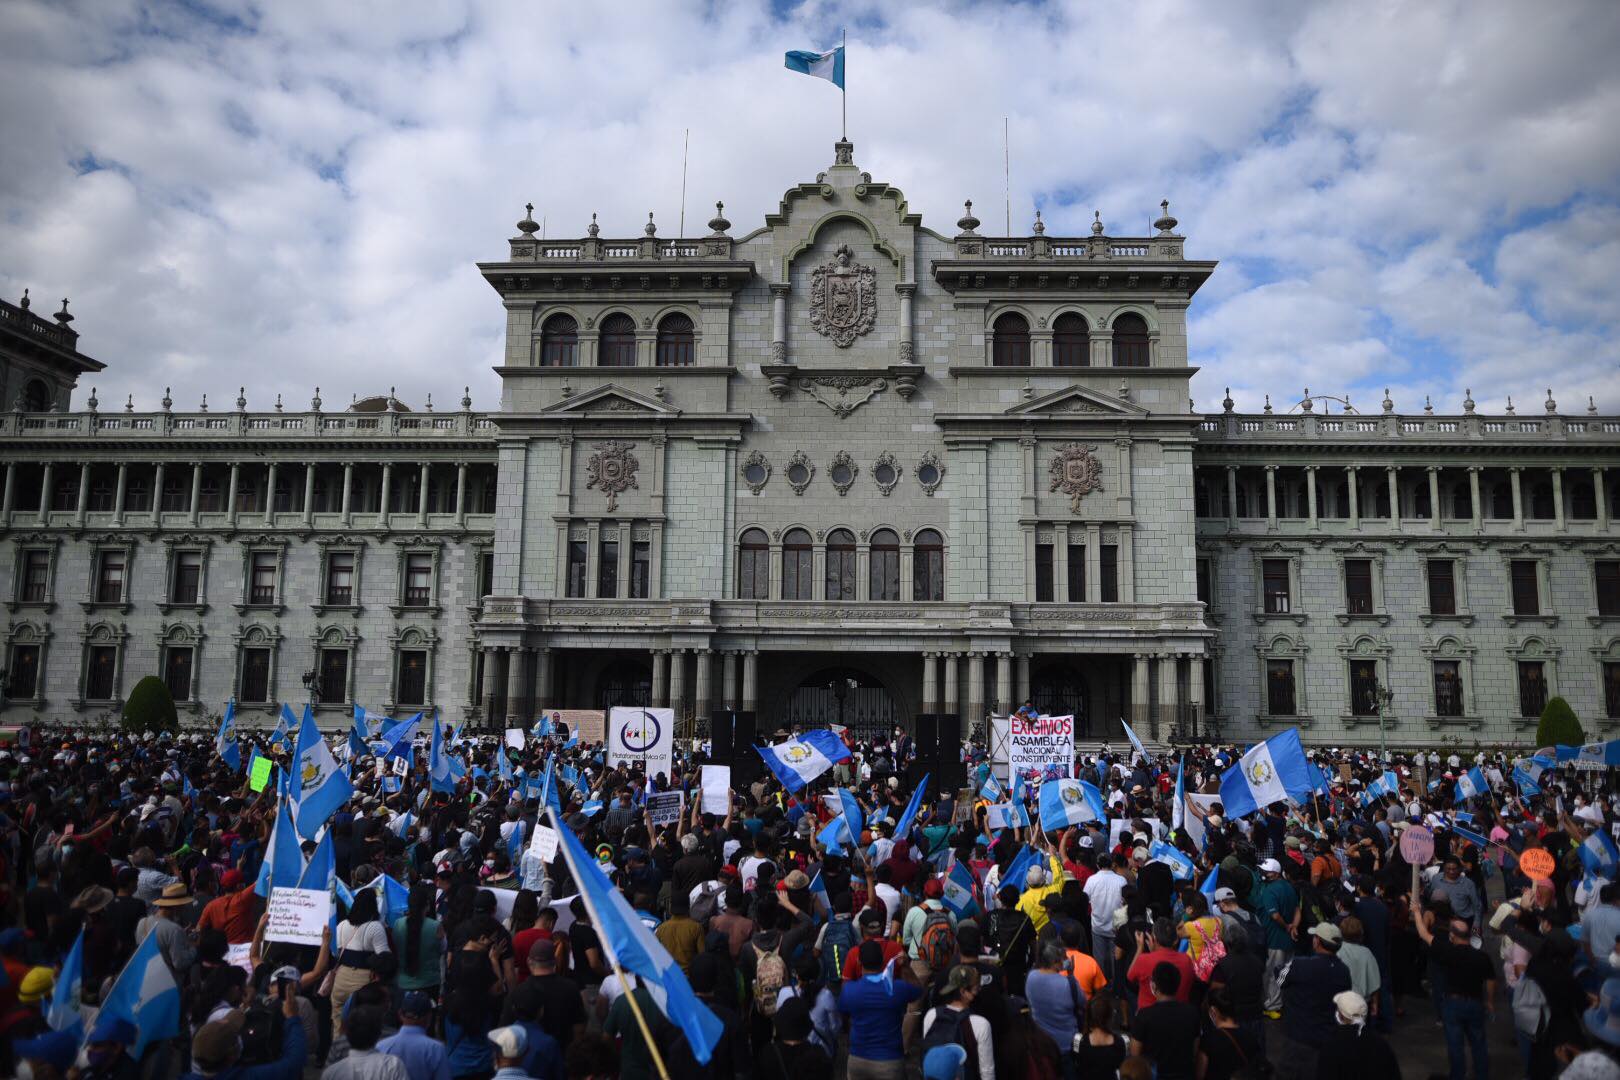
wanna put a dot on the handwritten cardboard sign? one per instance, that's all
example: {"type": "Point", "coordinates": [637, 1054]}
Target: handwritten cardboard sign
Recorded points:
{"type": "Point", "coordinates": [544, 843]}
{"type": "Point", "coordinates": [297, 915]}
{"type": "Point", "coordinates": [1537, 863]}
{"type": "Point", "coordinates": [1417, 845]}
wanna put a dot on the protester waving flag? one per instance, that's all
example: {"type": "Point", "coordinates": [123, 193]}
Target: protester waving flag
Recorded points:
{"type": "Point", "coordinates": [319, 786]}
{"type": "Point", "coordinates": [283, 865]}
{"type": "Point", "coordinates": [1470, 784]}
{"type": "Point", "coordinates": [320, 874]}
{"type": "Point", "coordinates": [1209, 885]}
{"type": "Point", "coordinates": [286, 726]}
{"type": "Point", "coordinates": [440, 772]}
{"type": "Point", "coordinates": [1600, 855]}
{"type": "Point", "coordinates": [1017, 872]}
{"type": "Point", "coordinates": [630, 947]}
{"type": "Point", "coordinates": [902, 828]}
{"type": "Point", "coordinates": [358, 733]}
{"type": "Point", "coordinates": [1178, 804]}
{"type": "Point", "coordinates": [799, 761]}
{"type": "Point", "coordinates": [225, 739]}
{"type": "Point", "coordinates": [1136, 743]}
{"type": "Point", "coordinates": [992, 791]}
{"type": "Point", "coordinates": [831, 836]}
{"type": "Point", "coordinates": [63, 1013]}
{"type": "Point", "coordinates": [146, 995]}
{"type": "Point", "coordinates": [396, 741]}
{"type": "Point", "coordinates": [1181, 867]}
{"type": "Point", "coordinates": [1068, 801]}
{"type": "Point", "coordinates": [960, 892]}
{"type": "Point", "coordinates": [853, 819]}
{"type": "Point", "coordinates": [1269, 772]}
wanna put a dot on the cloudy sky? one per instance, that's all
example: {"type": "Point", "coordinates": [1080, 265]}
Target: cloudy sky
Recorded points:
{"type": "Point", "coordinates": [289, 193]}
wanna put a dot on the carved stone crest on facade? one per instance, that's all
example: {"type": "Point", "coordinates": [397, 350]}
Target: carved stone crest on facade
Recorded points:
{"type": "Point", "coordinates": [800, 471]}
{"type": "Point", "coordinates": [1075, 472]}
{"type": "Point", "coordinates": [843, 298]}
{"type": "Point", "coordinates": [843, 471]}
{"type": "Point", "coordinates": [843, 394]}
{"type": "Point", "coordinates": [756, 471]}
{"type": "Point", "coordinates": [612, 470]}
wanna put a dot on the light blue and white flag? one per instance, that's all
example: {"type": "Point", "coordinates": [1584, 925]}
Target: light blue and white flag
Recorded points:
{"type": "Point", "coordinates": [1017, 874]}
{"type": "Point", "coordinates": [1470, 784]}
{"type": "Point", "coordinates": [992, 791]}
{"type": "Point", "coordinates": [902, 827]}
{"type": "Point", "coordinates": [1603, 753]}
{"type": "Point", "coordinates": [1067, 801]}
{"type": "Point", "coordinates": [319, 786]}
{"type": "Point", "coordinates": [1268, 772]}
{"type": "Point", "coordinates": [283, 864]}
{"type": "Point", "coordinates": [393, 898]}
{"type": "Point", "coordinates": [441, 775]}
{"type": "Point", "coordinates": [818, 890]}
{"type": "Point", "coordinates": [402, 825]}
{"type": "Point", "coordinates": [146, 995]}
{"type": "Point", "coordinates": [514, 841]}
{"type": "Point", "coordinates": [1178, 805]}
{"type": "Point", "coordinates": [63, 1012]}
{"type": "Point", "coordinates": [503, 763]}
{"type": "Point", "coordinates": [1135, 742]}
{"type": "Point", "coordinates": [225, 739]}
{"type": "Point", "coordinates": [591, 808]}
{"type": "Point", "coordinates": [1181, 867]}
{"type": "Point", "coordinates": [550, 795]}
{"type": "Point", "coordinates": [1600, 855]}
{"type": "Point", "coordinates": [397, 740]}
{"type": "Point", "coordinates": [853, 819]}
{"type": "Point", "coordinates": [1471, 836]}
{"type": "Point", "coordinates": [1388, 784]}
{"type": "Point", "coordinates": [630, 946]}
{"type": "Point", "coordinates": [1209, 886]}
{"type": "Point", "coordinates": [359, 732]}
{"type": "Point", "coordinates": [821, 65]}
{"type": "Point", "coordinates": [286, 724]}
{"type": "Point", "coordinates": [959, 892]}
{"type": "Point", "coordinates": [799, 761]}
{"type": "Point", "coordinates": [321, 874]}
{"type": "Point", "coordinates": [832, 835]}
{"type": "Point", "coordinates": [1527, 774]}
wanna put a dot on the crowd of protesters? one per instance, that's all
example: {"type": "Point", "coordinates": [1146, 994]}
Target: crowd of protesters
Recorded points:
{"type": "Point", "coordinates": [1157, 942]}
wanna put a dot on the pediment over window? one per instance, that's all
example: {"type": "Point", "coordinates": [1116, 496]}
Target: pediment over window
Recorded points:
{"type": "Point", "coordinates": [1074, 399]}
{"type": "Point", "coordinates": [612, 399]}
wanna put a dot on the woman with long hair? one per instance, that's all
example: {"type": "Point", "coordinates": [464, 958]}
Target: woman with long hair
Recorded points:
{"type": "Point", "coordinates": [421, 945]}
{"type": "Point", "coordinates": [360, 936]}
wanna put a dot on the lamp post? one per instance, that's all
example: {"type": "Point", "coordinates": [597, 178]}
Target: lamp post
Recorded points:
{"type": "Point", "coordinates": [1384, 695]}
{"type": "Point", "coordinates": [312, 686]}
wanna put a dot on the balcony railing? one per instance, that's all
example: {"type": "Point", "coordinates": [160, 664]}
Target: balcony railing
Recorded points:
{"type": "Point", "coordinates": [254, 425]}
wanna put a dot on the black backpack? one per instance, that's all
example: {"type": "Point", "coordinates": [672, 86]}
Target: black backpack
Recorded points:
{"type": "Point", "coordinates": [836, 942]}
{"type": "Point", "coordinates": [953, 1027]}
{"type": "Point", "coordinates": [261, 1034]}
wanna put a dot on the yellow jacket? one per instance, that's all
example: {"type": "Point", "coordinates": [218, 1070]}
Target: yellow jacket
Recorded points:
{"type": "Point", "coordinates": [1030, 903]}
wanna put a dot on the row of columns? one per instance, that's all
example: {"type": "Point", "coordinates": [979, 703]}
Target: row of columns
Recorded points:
{"type": "Point", "coordinates": [512, 666]}
{"type": "Point", "coordinates": [234, 517]}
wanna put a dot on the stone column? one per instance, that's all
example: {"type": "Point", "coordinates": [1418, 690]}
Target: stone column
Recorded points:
{"type": "Point", "coordinates": [1518, 498]}
{"type": "Point", "coordinates": [387, 493]}
{"type": "Point", "coordinates": [422, 496]}
{"type": "Point", "coordinates": [1122, 486]}
{"type": "Point", "coordinates": [1394, 494]}
{"type": "Point", "coordinates": [930, 683]}
{"type": "Point", "coordinates": [1557, 472]}
{"type": "Point", "coordinates": [489, 692]}
{"type": "Point", "coordinates": [1167, 693]}
{"type": "Point", "coordinates": [1473, 495]}
{"type": "Point", "coordinates": [514, 688]}
{"type": "Point", "coordinates": [952, 687]}
{"type": "Point", "coordinates": [1004, 682]}
{"type": "Point", "coordinates": [728, 679]}
{"type": "Point", "coordinates": [118, 497]}
{"type": "Point", "coordinates": [975, 702]}
{"type": "Point", "coordinates": [1352, 484]}
{"type": "Point", "coordinates": [1600, 498]}
{"type": "Point", "coordinates": [779, 295]}
{"type": "Point", "coordinates": [1023, 678]}
{"type": "Point", "coordinates": [1140, 695]}
{"type": "Point", "coordinates": [1125, 587]}
{"type": "Point", "coordinates": [1195, 691]}
{"type": "Point", "coordinates": [1093, 563]}
{"type": "Point", "coordinates": [1310, 496]}
{"type": "Point", "coordinates": [1434, 497]}
{"type": "Point", "coordinates": [347, 507]}
{"type": "Point", "coordinates": [543, 675]}
{"type": "Point", "coordinates": [461, 493]}
{"type": "Point", "coordinates": [270, 495]}
{"type": "Point", "coordinates": [750, 692]}
{"type": "Point", "coordinates": [908, 350]}
{"type": "Point", "coordinates": [1271, 497]}
{"type": "Point", "coordinates": [46, 483]}
{"type": "Point", "coordinates": [230, 494]}
{"type": "Point", "coordinates": [82, 505]}
{"type": "Point", "coordinates": [196, 489]}
{"type": "Point", "coordinates": [9, 497]}
{"type": "Point", "coordinates": [1060, 562]}
{"type": "Point", "coordinates": [309, 493]}
{"type": "Point", "coordinates": [660, 691]}
{"type": "Point", "coordinates": [702, 704]}
{"type": "Point", "coordinates": [1231, 496]}
{"type": "Point", "coordinates": [157, 493]}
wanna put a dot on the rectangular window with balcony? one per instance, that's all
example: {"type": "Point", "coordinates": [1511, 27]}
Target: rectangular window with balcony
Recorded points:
{"type": "Point", "coordinates": [607, 566]}
{"type": "Point", "coordinates": [1077, 573]}
{"type": "Point", "coordinates": [1363, 688]}
{"type": "Point", "coordinates": [1280, 688]}
{"type": "Point", "coordinates": [1275, 586]}
{"type": "Point", "coordinates": [36, 576]}
{"type": "Point", "coordinates": [138, 495]}
{"type": "Point", "coordinates": [255, 676]}
{"type": "Point", "coordinates": [1607, 575]}
{"type": "Point", "coordinates": [1358, 590]}
{"type": "Point", "coordinates": [186, 588]}
{"type": "Point", "coordinates": [110, 570]}
{"type": "Point", "coordinates": [413, 677]}
{"type": "Point", "coordinates": [1043, 573]}
{"type": "Point", "coordinates": [334, 676]}
{"type": "Point", "coordinates": [209, 498]}
{"type": "Point", "coordinates": [1611, 691]}
{"type": "Point", "coordinates": [340, 578]}
{"type": "Point", "coordinates": [262, 578]}
{"type": "Point", "coordinates": [1448, 691]}
{"type": "Point", "coordinates": [418, 579]}
{"type": "Point", "coordinates": [1526, 593]}
{"type": "Point", "coordinates": [176, 490]}
{"type": "Point", "coordinates": [1442, 587]}
{"type": "Point", "coordinates": [486, 575]}
{"type": "Point", "coordinates": [22, 681]}
{"type": "Point", "coordinates": [101, 663]}
{"type": "Point", "coordinates": [641, 570]}
{"type": "Point", "coordinates": [178, 661]}
{"type": "Point", "coordinates": [102, 497]}
{"type": "Point", "coordinates": [1532, 687]}
{"type": "Point", "coordinates": [1108, 572]}
{"type": "Point", "coordinates": [578, 555]}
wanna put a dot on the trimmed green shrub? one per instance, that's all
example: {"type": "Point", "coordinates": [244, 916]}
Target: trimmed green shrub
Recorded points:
{"type": "Point", "coordinates": [150, 708]}
{"type": "Point", "coordinates": [1558, 725]}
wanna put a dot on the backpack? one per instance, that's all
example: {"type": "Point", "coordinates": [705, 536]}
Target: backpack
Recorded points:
{"type": "Point", "coordinates": [953, 1027]}
{"type": "Point", "coordinates": [770, 975]}
{"type": "Point", "coordinates": [1213, 952]}
{"type": "Point", "coordinates": [261, 1034]}
{"type": "Point", "coordinates": [1530, 1009]}
{"type": "Point", "coordinates": [836, 943]}
{"type": "Point", "coordinates": [936, 945]}
{"type": "Point", "coordinates": [707, 904]}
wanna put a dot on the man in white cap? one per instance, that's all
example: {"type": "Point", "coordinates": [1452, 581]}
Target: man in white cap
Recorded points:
{"type": "Point", "coordinates": [1276, 905]}
{"type": "Point", "coordinates": [1232, 915]}
{"type": "Point", "coordinates": [511, 1046]}
{"type": "Point", "coordinates": [1354, 1050]}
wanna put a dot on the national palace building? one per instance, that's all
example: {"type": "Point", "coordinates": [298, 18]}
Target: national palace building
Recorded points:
{"type": "Point", "coordinates": [839, 468]}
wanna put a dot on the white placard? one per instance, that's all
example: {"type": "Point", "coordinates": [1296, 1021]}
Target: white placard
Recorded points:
{"type": "Point", "coordinates": [400, 767]}
{"type": "Point", "coordinates": [1120, 826]}
{"type": "Point", "coordinates": [297, 915]}
{"type": "Point", "coordinates": [1035, 745]}
{"type": "Point", "coordinates": [240, 955]}
{"type": "Point", "coordinates": [504, 899]}
{"type": "Point", "coordinates": [516, 739]}
{"type": "Point", "coordinates": [544, 843]}
{"type": "Point", "coordinates": [642, 736]}
{"type": "Point", "coordinates": [716, 790]}
{"type": "Point", "coordinates": [664, 807]}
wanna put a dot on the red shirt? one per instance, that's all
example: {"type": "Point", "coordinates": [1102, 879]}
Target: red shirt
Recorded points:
{"type": "Point", "coordinates": [235, 914]}
{"type": "Point", "coordinates": [1141, 974]}
{"type": "Point", "coordinates": [852, 963]}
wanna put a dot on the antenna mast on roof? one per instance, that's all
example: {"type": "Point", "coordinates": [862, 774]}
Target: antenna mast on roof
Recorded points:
{"type": "Point", "coordinates": [686, 142]}
{"type": "Point", "coordinates": [1006, 175]}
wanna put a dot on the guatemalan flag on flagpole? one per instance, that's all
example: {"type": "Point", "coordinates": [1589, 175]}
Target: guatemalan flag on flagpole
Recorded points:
{"type": "Point", "coordinates": [1136, 742]}
{"type": "Point", "coordinates": [1017, 873]}
{"type": "Point", "coordinates": [439, 770]}
{"type": "Point", "coordinates": [958, 896]}
{"type": "Point", "coordinates": [799, 761]}
{"type": "Point", "coordinates": [630, 946]}
{"type": "Point", "coordinates": [1067, 801]}
{"type": "Point", "coordinates": [1178, 806]}
{"type": "Point", "coordinates": [147, 996]}
{"type": "Point", "coordinates": [225, 739]}
{"type": "Point", "coordinates": [902, 827]}
{"type": "Point", "coordinates": [319, 786]}
{"type": "Point", "coordinates": [1269, 772]}
{"type": "Point", "coordinates": [283, 865]}
{"type": "Point", "coordinates": [822, 65]}
{"type": "Point", "coordinates": [63, 1013]}
{"type": "Point", "coordinates": [1471, 783]}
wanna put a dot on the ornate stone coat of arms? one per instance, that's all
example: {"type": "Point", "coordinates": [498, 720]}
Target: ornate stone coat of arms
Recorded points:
{"type": "Point", "coordinates": [1075, 472]}
{"type": "Point", "coordinates": [612, 470]}
{"type": "Point", "coordinates": [843, 298]}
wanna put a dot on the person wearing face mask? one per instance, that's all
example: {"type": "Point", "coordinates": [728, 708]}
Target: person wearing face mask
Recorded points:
{"type": "Point", "coordinates": [1354, 1050]}
{"type": "Point", "coordinates": [104, 1057]}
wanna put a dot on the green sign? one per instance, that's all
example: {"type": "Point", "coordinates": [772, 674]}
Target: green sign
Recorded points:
{"type": "Point", "coordinates": [261, 773]}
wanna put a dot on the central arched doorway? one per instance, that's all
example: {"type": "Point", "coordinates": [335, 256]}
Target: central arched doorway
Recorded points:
{"type": "Point", "coordinates": [845, 696]}
{"type": "Point", "coordinates": [1059, 689]}
{"type": "Point", "coordinates": [624, 682]}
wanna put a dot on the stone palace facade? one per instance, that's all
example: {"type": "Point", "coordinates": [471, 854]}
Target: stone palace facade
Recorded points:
{"type": "Point", "coordinates": [840, 469]}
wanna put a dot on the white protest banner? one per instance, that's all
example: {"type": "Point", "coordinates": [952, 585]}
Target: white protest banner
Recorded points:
{"type": "Point", "coordinates": [544, 843]}
{"type": "Point", "coordinates": [643, 737]}
{"type": "Point", "coordinates": [998, 749]}
{"type": "Point", "coordinates": [1040, 744]}
{"type": "Point", "coordinates": [664, 807]}
{"type": "Point", "coordinates": [716, 789]}
{"type": "Point", "coordinates": [516, 739]}
{"type": "Point", "coordinates": [297, 915]}
{"type": "Point", "coordinates": [1120, 826]}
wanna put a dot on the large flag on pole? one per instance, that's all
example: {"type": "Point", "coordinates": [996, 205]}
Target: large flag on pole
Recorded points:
{"type": "Point", "coordinates": [1268, 772]}
{"type": "Point", "coordinates": [147, 996]}
{"type": "Point", "coordinates": [799, 761]}
{"type": "Point", "coordinates": [283, 864]}
{"type": "Point", "coordinates": [630, 946]}
{"type": "Point", "coordinates": [63, 1012]}
{"type": "Point", "coordinates": [319, 786]}
{"type": "Point", "coordinates": [821, 65]}
{"type": "Point", "coordinates": [909, 818]}
{"type": "Point", "coordinates": [440, 773]}
{"type": "Point", "coordinates": [1178, 808]}
{"type": "Point", "coordinates": [225, 739]}
{"type": "Point", "coordinates": [1130, 734]}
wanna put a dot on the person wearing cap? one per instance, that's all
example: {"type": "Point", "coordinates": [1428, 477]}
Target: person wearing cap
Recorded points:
{"type": "Point", "coordinates": [952, 1023]}
{"type": "Point", "coordinates": [217, 1045]}
{"type": "Point", "coordinates": [1354, 1050]}
{"type": "Point", "coordinates": [546, 998]}
{"type": "Point", "coordinates": [26, 1018]}
{"type": "Point", "coordinates": [1276, 905]}
{"type": "Point", "coordinates": [173, 941]}
{"type": "Point", "coordinates": [1308, 990]}
{"type": "Point", "coordinates": [1468, 1006]}
{"type": "Point", "coordinates": [871, 924]}
{"type": "Point", "coordinates": [424, 1056]}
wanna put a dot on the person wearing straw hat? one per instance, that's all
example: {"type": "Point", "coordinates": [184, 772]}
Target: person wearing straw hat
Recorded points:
{"type": "Point", "coordinates": [173, 941]}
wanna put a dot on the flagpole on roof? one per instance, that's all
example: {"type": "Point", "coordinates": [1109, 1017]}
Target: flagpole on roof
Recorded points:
{"type": "Point", "coordinates": [596, 921]}
{"type": "Point", "coordinates": [843, 91]}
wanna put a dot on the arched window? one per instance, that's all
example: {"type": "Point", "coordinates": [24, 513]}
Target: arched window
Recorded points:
{"type": "Point", "coordinates": [559, 342]}
{"type": "Point", "coordinates": [928, 567]}
{"type": "Point", "coordinates": [617, 347]}
{"type": "Point", "coordinates": [798, 581]}
{"type": "Point", "coordinates": [841, 565]}
{"type": "Point", "coordinates": [36, 396]}
{"type": "Point", "coordinates": [1011, 348]}
{"type": "Point", "coordinates": [1130, 341]}
{"type": "Point", "coordinates": [1071, 341]}
{"type": "Point", "coordinates": [754, 567]}
{"type": "Point", "coordinates": [675, 341]}
{"type": "Point", "coordinates": [885, 570]}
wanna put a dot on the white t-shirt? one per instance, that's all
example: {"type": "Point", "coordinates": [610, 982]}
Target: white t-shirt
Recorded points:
{"type": "Point", "coordinates": [982, 1039]}
{"type": "Point", "coordinates": [1103, 889]}
{"type": "Point", "coordinates": [891, 901]}
{"type": "Point", "coordinates": [749, 868]}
